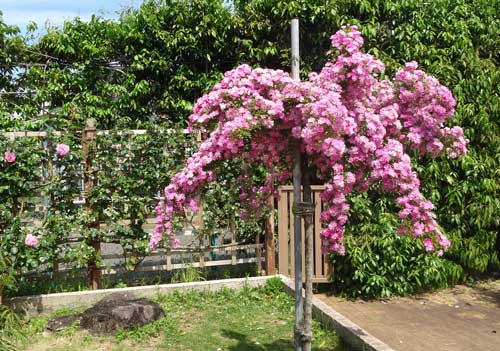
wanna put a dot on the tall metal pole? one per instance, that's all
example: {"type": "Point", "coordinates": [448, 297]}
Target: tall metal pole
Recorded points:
{"type": "Point", "coordinates": [309, 242]}
{"type": "Point", "coordinates": [297, 180]}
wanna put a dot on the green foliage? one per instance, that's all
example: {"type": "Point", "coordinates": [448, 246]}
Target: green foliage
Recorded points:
{"type": "Point", "coordinates": [273, 286]}
{"type": "Point", "coordinates": [11, 331]}
{"type": "Point", "coordinates": [455, 40]}
{"type": "Point", "coordinates": [222, 205]}
{"type": "Point", "coordinates": [131, 170]}
{"type": "Point", "coordinates": [388, 265]}
{"type": "Point", "coordinates": [149, 66]}
{"type": "Point", "coordinates": [153, 330]}
{"type": "Point", "coordinates": [265, 31]}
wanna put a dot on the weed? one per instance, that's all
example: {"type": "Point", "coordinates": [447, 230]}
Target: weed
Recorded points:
{"type": "Point", "coordinates": [188, 275]}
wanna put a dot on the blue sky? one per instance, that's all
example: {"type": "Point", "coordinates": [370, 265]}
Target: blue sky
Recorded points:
{"type": "Point", "coordinates": [21, 12]}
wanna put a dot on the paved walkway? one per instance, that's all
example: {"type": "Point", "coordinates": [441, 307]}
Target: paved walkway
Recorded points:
{"type": "Point", "coordinates": [459, 319]}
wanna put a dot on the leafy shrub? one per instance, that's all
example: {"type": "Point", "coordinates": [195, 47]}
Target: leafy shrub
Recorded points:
{"type": "Point", "coordinates": [379, 263]}
{"type": "Point", "coordinates": [273, 286]}
{"type": "Point", "coordinates": [387, 265]}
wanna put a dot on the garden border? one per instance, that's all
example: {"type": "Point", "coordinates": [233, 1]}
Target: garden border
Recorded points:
{"type": "Point", "coordinates": [352, 334]}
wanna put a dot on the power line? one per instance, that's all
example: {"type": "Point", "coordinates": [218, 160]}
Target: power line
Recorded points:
{"type": "Point", "coordinates": [113, 65]}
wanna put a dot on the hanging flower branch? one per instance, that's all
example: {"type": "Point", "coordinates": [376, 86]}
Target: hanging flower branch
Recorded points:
{"type": "Point", "coordinates": [355, 128]}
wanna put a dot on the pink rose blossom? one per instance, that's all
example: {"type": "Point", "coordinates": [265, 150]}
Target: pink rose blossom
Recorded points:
{"type": "Point", "coordinates": [62, 149]}
{"type": "Point", "coordinates": [31, 240]}
{"type": "Point", "coordinates": [175, 243]}
{"type": "Point", "coordinates": [9, 156]}
{"type": "Point", "coordinates": [429, 245]}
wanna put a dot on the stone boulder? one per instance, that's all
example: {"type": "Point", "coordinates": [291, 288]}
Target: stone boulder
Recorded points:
{"type": "Point", "coordinates": [61, 323]}
{"type": "Point", "coordinates": [114, 312]}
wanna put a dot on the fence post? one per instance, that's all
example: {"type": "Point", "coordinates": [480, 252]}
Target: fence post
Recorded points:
{"type": "Point", "coordinates": [202, 249]}
{"type": "Point", "coordinates": [88, 149]}
{"type": "Point", "coordinates": [169, 259]}
{"type": "Point", "coordinates": [232, 228]}
{"type": "Point", "coordinates": [258, 254]}
{"type": "Point", "coordinates": [270, 245]}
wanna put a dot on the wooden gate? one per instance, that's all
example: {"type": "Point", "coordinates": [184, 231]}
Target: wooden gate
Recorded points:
{"type": "Point", "coordinates": [286, 240]}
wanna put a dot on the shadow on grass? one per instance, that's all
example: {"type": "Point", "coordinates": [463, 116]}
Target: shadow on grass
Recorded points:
{"type": "Point", "coordinates": [247, 345]}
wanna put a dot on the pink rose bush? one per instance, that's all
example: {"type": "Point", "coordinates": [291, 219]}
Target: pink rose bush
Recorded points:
{"type": "Point", "coordinates": [354, 127]}
{"type": "Point", "coordinates": [62, 149]}
{"type": "Point", "coordinates": [9, 156]}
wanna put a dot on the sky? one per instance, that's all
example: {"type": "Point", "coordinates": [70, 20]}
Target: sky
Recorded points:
{"type": "Point", "coordinates": [21, 12]}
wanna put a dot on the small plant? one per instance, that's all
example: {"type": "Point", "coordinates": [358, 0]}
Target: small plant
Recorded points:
{"type": "Point", "coordinates": [10, 323]}
{"type": "Point", "coordinates": [274, 286]}
{"type": "Point", "coordinates": [187, 275]}
{"type": "Point", "coordinates": [165, 325]}
{"type": "Point", "coordinates": [69, 331]}
{"type": "Point", "coordinates": [121, 284]}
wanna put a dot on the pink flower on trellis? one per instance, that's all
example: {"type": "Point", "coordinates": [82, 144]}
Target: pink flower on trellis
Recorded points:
{"type": "Point", "coordinates": [9, 156]}
{"type": "Point", "coordinates": [31, 240]}
{"type": "Point", "coordinates": [355, 128]}
{"type": "Point", "coordinates": [62, 149]}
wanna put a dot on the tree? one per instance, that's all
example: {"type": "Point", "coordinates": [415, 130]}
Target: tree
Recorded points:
{"type": "Point", "coordinates": [12, 51]}
{"type": "Point", "coordinates": [355, 130]}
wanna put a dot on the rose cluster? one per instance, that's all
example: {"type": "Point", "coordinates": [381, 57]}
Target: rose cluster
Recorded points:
{"type": "Point", "coordinates": [11, 157]}
{"type": "Point", "coordinates": [354, 127]}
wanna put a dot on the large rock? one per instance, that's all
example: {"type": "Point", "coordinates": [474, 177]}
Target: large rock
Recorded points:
{"type": "Point", "coordinates": [114, 312]}
{"type": "Point", "coordinates": [61, 323]}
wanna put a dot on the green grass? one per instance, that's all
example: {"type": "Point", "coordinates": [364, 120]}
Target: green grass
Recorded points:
{"type": "Point", "coordinates": [251, 319]}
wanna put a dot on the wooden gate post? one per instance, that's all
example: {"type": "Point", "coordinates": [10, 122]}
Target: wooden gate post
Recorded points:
{"type": "Point", "coordinates": [270, 246]}
{"type": "Point", "coordinates": [88, 149]}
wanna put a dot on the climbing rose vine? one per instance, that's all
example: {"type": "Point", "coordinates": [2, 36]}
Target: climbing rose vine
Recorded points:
{"type": "Point", "coordinates": [354, 127]}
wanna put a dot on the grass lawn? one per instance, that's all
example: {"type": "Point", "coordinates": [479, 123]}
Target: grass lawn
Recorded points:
{"type": "Point", "coordinates": [251, 319]}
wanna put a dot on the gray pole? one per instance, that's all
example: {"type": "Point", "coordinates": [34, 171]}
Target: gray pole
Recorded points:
{"type": "Point", "coordinates": [297, 179]}
{"type": "Point", "coordinates": [309, 239]}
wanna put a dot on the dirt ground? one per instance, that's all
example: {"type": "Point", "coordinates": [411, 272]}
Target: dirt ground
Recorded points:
{"type": "Point", "coordinates": [465, 318]}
